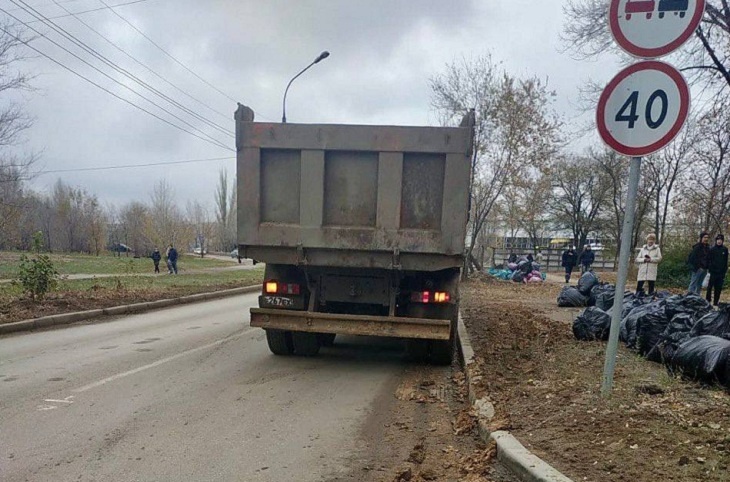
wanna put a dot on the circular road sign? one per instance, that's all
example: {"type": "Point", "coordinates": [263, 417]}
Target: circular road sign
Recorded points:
{"type": "Point", "coordinates": [653, 28]}
{"type": "Point", "coordinates": [643, 108]}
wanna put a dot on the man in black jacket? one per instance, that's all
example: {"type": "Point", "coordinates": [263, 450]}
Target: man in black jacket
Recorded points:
{"type": "Point", "coordinates": [717, 268]}
{"type": "Point", "coordinates": [156, 257]}
{"type": "Point", "coordinates": [699, 261]}
{"type": "Point", "coordinates": [587, 257]}
{"type": "Point", "coordinates": [570, 259]}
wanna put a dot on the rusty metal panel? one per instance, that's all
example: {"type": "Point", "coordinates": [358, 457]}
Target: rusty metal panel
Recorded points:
{"type": "Point", "coordinates": [455, 204]}
{"type": "Point", "coordinates": [390, 179]}
{"type": "Point", "coordinates": [280, 182]}
{"type": "Point", "coordinates": [350, 188]}
{"type": "Point", "coordinates": [312, 189]}
{"type": "Point", "coordinates": [355, 137]}
{"type": "Point", "coordinates": [423, 191]}
{"type": "Point", "coordinates": [393, 327]}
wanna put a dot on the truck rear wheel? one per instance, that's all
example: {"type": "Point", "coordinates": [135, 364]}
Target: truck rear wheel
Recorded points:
{"type": "Point", "coordinates": [442, 352]}
{"type": "Point", "coordinates": [305, 344]}
{"type": "Point", "coordinates": [280, 342]}
{"type": "Point", "coordinates": [326, 339]}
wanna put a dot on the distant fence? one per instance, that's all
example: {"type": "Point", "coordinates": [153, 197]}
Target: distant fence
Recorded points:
{"type": "Point", "coordinates": [551, 259]}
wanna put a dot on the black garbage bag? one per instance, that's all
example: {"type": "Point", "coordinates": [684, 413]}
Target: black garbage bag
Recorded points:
{"type": "Point", "coordinates": [587, 282]}
{"type": "Point", "coordinates": [650, 327]}
{"type": "Point", "coordinates": [630, 324]}
{"type": "Point", "coordinates": [518, 276]}
{"type": "Point", "coordinates": [690, 303]}
{"type": "Point", "coordinates": [676, 333]}
{"type": "Point", "coordinates": [592, 324]}
{"type": "Point", "coordinates": [705, 358]}
{"type": "Point", "coordinates": [571, 297]}
{"type": "Point", "coordinates": [716, 323]}
{"type": "Point", "coordinates": [632, 302]}
{"type": "Point", "coordinates": [597, 290]}
{"type": "Point", "coordinates": [525, 267]}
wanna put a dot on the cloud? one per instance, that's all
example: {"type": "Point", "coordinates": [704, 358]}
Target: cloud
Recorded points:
{"type": "Point", "coordinates": [383, 54]}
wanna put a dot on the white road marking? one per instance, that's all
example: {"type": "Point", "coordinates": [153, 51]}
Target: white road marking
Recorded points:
{"type": "Point", "coordinates": [65, 400]}
{"type": "Point", "coordinates": [161, 362]}
{"type": "Point", "coordinates": [43, 408]}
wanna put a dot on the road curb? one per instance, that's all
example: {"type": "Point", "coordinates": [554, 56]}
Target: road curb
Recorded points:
{"type": "Point", "coordinates": [69, 318]}
{"type": "Point", "coordinates": [524, 464]}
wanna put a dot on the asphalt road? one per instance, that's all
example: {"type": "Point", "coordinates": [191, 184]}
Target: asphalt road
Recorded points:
{"type": "Point", "coordinates": [185, 394]}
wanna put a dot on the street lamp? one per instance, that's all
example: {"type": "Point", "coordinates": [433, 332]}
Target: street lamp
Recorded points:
{"type": "Point", "coordinates": [320, 58]}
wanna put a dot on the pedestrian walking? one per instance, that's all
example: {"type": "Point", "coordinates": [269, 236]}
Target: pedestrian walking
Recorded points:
{"type": "Point", "coordinates": [172, 259]}
{"type": "Point", "coordinates": [587, 257]}
{"type": "Point", "coordinates": [569, 260]}
{"type": "Point", "coordinates": [698, 262]}
{"type": "Point", "coordinates": [648, 259]}
{"type": "Point", "coordinates": [717, 268]}
{"type": "Point", "coordinates": [156, 257]}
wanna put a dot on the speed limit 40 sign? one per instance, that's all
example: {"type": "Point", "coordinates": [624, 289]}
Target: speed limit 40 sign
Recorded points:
{"type": "Point", "coordinates": [643, 108]}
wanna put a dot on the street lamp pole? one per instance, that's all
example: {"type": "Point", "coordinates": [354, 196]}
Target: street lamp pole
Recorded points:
{"type": "Point", "coordinates": [321, 57]}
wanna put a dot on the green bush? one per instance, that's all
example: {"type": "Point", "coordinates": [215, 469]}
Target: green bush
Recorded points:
{"type": "Point", "coordinates": [673, 270]}
{"type": "Point", "coordinates": [37, 275]}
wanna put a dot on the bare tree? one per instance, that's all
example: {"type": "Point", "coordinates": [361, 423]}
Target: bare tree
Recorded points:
{"type": "Point", "coordinates": [614, 171]}
{"type": "Point", "coordinates": [580, 195]}
{"type": "Point", "coordinates": [222, 214]}
{"type": "Point", "coordinates": [199, 220]}
{"type": "Point", "coordinates": [708, 189]}
{"type": "Point", "coordinates": [515, 127]}
{"type": "Point", "coordinates": [666, 170]}
{"type": "Point", "coordinates": [166, 222]}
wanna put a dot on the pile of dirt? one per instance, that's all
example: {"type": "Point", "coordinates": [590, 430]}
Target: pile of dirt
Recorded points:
{"type": "Point", "coordinates": [545, 386]}
{"type": "Point", "coordinates": [19, 309]}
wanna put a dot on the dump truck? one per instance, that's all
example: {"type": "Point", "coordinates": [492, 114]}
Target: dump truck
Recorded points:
{"type": "Point", "coordinates": [361, 229]}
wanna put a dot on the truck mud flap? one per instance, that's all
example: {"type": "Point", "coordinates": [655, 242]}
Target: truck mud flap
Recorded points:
{"type": "Point", "coordinates": [387, 326]}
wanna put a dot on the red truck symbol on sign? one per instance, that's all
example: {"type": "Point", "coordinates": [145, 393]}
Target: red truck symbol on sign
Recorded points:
{"type": "Point", "coordinates": [640, 6]}
{"type": "Point", "coordinates": [679, 7]}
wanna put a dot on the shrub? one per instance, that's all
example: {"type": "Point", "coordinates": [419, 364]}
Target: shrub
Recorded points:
{"type": "Point", "coordinates": [673, 270]}
{"type": "Point", "coordinates": [37, 275]}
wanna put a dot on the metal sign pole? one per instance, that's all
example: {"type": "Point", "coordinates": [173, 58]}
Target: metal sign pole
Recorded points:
{"type": "Point", "coordinates": [623, 271]}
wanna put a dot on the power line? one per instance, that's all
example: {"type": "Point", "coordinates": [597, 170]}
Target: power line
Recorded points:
{"type": "Point", "coordinates": [132, 166]}
{"type": "Point", "coordinates": [64, 33]}
{"type": "Point", "coordinates": [166, 52]}
{"type": "Point", "coordinates": [177, 104]}
{"type": "Point", "coordinates": [71, 38]}
{"type": "Point", "coordinates": [100, 86]}
{"type": "Point", "coordinates": [83, 11]}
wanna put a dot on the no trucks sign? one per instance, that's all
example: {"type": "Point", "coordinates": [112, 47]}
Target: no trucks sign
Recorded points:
{"type": "Point", "coordinates": [653, 28]}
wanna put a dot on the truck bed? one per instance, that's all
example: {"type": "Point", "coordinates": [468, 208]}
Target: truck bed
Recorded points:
{"type": "Point", "coordinates": [352, 195]}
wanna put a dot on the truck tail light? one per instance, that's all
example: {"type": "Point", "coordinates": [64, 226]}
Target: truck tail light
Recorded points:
{"type": "Point", "coordinates": [426, 297]}
{"type": "Point", "coordinates": [276, 288]}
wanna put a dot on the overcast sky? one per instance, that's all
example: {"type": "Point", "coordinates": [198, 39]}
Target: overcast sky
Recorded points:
{"type": "Point", "coordinates": [383, 53]}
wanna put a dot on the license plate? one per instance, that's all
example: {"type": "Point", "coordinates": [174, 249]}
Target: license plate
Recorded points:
{"type": "Point", "coordinates": [278, 301]}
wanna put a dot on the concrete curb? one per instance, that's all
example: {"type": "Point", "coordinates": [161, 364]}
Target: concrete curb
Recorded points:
{"type": "Point", "coordinates": [68, 318]}
{"type": "Point", "coordinates": [513, 455]}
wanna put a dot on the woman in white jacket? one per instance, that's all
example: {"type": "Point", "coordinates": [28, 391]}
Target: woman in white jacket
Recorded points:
{"type": "Point", "coordinates": [649, 257]}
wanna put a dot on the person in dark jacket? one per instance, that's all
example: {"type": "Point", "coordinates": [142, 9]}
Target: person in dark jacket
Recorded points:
{"type": "Point", "coordinates": [172, 259]}
{"type": "Point", "coordinates": [156, 257]}
{"type": "Point", "coordinates": [699, 261]}
{"type": "Point", "coordinates": [570, 259]}
{"type": "Point", "coordinates": [717, 268]}
{"type": "Point", "coordinates": [587, 257]}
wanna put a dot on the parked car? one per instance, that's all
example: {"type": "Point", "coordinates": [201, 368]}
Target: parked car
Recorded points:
{"type": "Point", "coordinates": [198, 251]}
